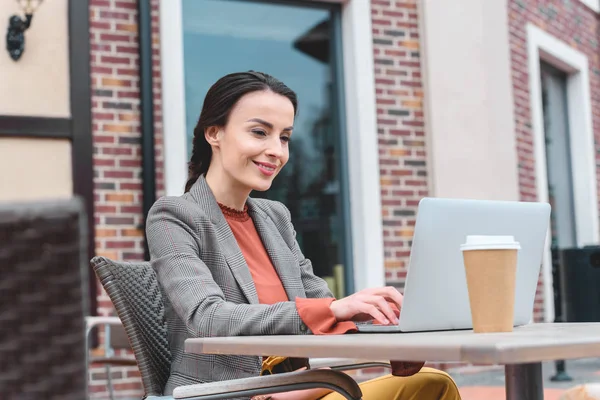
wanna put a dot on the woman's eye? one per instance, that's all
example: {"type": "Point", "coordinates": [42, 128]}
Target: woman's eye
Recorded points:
{"type": "Point", "coordinates": [259, 132]}
{"type": "Point", "coordinates": [285, 139]}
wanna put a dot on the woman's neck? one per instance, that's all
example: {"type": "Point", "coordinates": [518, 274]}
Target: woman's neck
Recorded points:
{"type": "Point", "coordinates": [225, 191]}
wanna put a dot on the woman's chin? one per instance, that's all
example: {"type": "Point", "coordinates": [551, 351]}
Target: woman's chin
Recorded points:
{"type": "Point", "coordinates": [262, 186]}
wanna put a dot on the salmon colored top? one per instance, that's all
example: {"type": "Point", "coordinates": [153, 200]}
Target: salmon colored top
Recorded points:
{"type": "Point", "coordinates": [315, 313]}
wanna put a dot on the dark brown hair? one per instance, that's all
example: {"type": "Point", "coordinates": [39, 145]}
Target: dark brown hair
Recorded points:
{"type": "Point", "coordinates": [219, 100]}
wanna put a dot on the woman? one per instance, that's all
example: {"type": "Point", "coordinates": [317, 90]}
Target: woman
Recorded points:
{"type": "Point", "coordinates": [230, 265]}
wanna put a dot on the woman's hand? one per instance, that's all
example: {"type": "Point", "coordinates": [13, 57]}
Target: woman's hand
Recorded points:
{"type": "Point", "coordinates": [375, 303]}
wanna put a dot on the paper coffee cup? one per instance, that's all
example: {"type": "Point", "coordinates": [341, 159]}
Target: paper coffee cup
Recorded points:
{"type": "Point", "coordinates": [491, 269]}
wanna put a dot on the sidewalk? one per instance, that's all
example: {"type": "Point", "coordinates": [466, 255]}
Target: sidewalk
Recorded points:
{"type": "Point", "coordinates": [478, 384]}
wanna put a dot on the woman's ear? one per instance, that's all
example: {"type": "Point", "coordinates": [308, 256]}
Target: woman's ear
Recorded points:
{"type": "Point", "coordinates": [212, 135]}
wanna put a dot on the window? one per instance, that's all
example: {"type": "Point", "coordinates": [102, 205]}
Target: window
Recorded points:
{"type": "Point", "coordinates": [544, 47]}
{"type": "Point", "coordinates": [356, 132]}
{"type": "Point", "coordinates": [294, 43]}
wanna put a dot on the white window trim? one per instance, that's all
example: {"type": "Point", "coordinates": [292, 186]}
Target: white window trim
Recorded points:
{"type": "Point", "coordinates": [593, 4]}
{"type": "Point", "coordinates": [363, 150]}
{"type": "Point", "coordinates": [361, 123]}
{"type": "Point", "coordinates": [543, 46]}
{"type": "Point", "coordinates": [173, 101]}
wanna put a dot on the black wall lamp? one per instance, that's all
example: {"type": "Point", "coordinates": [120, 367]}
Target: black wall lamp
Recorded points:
{"type": "Point", "coordinates": [15, 35]}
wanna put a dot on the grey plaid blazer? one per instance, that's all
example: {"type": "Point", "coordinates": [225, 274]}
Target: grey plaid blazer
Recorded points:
{"type": "Point", "coordinates": [207, 285]}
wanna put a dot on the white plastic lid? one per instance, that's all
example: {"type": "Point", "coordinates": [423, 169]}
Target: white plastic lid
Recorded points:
{"type": "Point", "coordinates": [483, 242]}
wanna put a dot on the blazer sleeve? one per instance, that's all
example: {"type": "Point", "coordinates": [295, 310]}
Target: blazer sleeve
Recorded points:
{"type": "Point", "coordinates": [314, 286]}
{"type": "Point", "coordinates": [173, 234]}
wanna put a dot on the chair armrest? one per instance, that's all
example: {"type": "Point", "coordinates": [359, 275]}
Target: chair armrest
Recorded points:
{"type": "Point", "coordinates": [92, 322]}
{"type": "Point", "coordinates": [297, 380]}
{"type": "Point", "coordinates": [345, 364]}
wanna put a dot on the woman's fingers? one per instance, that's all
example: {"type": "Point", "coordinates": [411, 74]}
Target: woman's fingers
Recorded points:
{"type": "Point", "coordinates": [382, 304]}
{"type": "Point", "coordinates": [373, 312]}
{"type": "Point", "coordinates": [385, 313]}
{"type": "Point", "coordinates": [392, 294]}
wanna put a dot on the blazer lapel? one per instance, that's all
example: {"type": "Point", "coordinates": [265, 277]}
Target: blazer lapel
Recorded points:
{"type": "Point", "coordinates": [227, 243]}
{"type": "Point", "coordinates": [281, 256]}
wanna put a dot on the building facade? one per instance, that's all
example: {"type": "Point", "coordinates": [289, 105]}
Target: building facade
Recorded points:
{"type": "Point", "coordinates": [398, 100]}
{"type": "Point", "coordinates": [431, 99]}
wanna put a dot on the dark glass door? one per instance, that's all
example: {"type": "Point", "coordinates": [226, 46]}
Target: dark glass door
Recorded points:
{"type": "Point", "coordinates": [295, 42]}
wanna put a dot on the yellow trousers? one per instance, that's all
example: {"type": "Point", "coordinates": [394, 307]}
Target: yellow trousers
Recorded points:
{"type": "Point", "coordinates": [429, 384]}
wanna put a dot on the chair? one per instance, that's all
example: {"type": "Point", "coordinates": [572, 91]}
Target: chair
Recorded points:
{"type": "Point", "coordinates": [44, 297]}
{"type": "Point", "coordinates": [135, 293]}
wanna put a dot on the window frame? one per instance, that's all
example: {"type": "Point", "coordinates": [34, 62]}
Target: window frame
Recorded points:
{"type": "Point", "coordinates": [359, 148]}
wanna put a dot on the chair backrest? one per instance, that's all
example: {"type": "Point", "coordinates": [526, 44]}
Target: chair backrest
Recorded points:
{"type": "Point", "coordinates": [136, 296]}
{"type": "Point", "coordinates": [44, 297]}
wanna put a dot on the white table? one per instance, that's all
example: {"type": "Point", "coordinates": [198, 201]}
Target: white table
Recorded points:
{"type": "Point", "coordinates": [521, 351]}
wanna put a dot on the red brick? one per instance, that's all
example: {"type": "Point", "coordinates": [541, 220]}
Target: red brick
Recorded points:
{"type": "Point", "coordinates": [132, 232]}
{"type": "Point", "coordinates": [130, 163]}
{"type": "Point", "coordinates": [406, 5]}
{"type": "Point", "coordinates": [118, 174]}
{"type": "Point", "coordinates": [113, 15]}
{"type": "Point", "coordinates": [123, 386]}
{"type": "Point", "coordinates": [401, 172]}
{"type": "Point", "coordinates": [100, 25]}
{"type": "Point", "coordinates": [117, 150]}
{"type": "Point", "coordinates": [128, 95]}
{"type": "Point", "coordinates": [134, 49]}
{"type": "Point", "coordinates": [106, 81]}
{"type": "Point", "coordinates": [119, 197]}
{"type": "Point", "coordinates": [103, 139]}
{"type": "Point", "coordinates": [127, 27]}
{"type": "Point", "coordinates": [116, 128]}
{"type": "Point", "coordinates": [111, 37]}
{"type": "Point", "coordinates": [121, 244]}
{"type": "Point", "coordinates": [128, 71]}
{"type": "Point", "coordinates": [130, 186]}
{"type": "Point", "coordinates": [382, 22]}
{"type": "Point", "coordinates": [99, 3]}
{"type": "Point", "coordinates": [115, 60]}
{"type": "Point", "coordinates": [106, 232]}
{"type": "Point", "coordinates": [101, 70]}
{"type": "Point", "coordinates": [104, 162]}
{"type": "Point", "coordinates": [128, 5]}
{"type": "Point", "coordinates": [393, 14]}
{"type": "Point", "coordinates": [99, 116]}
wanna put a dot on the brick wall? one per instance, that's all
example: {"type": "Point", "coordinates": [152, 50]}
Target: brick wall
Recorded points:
{"type": "Point", "coordinates": [117, 152]}
{"type": "Point", "coordinates": [400, 123]}
{"type": "Point", "coordinates": [399, 94]}
{"type": "Point", "coordinates": [573, 23]}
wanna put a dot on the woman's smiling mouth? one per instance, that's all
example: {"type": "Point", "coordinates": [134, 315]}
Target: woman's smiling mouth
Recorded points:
{"type": "Point", "coordinates": [266, 168]}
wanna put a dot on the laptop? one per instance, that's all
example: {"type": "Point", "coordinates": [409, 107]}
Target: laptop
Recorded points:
{"type": "Point", "coordinates": [435, 293]}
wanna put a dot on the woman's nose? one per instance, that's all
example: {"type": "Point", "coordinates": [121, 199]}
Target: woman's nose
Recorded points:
{"type": "Point", "coordinates": [275, 148]}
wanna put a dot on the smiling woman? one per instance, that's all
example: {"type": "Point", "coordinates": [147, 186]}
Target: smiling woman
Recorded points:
{"type": "Point", "coordinates": [230, 265]}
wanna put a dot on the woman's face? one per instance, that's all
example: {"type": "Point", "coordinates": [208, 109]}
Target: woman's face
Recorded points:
{"type": "Point", "coordinates": [254, 145]}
